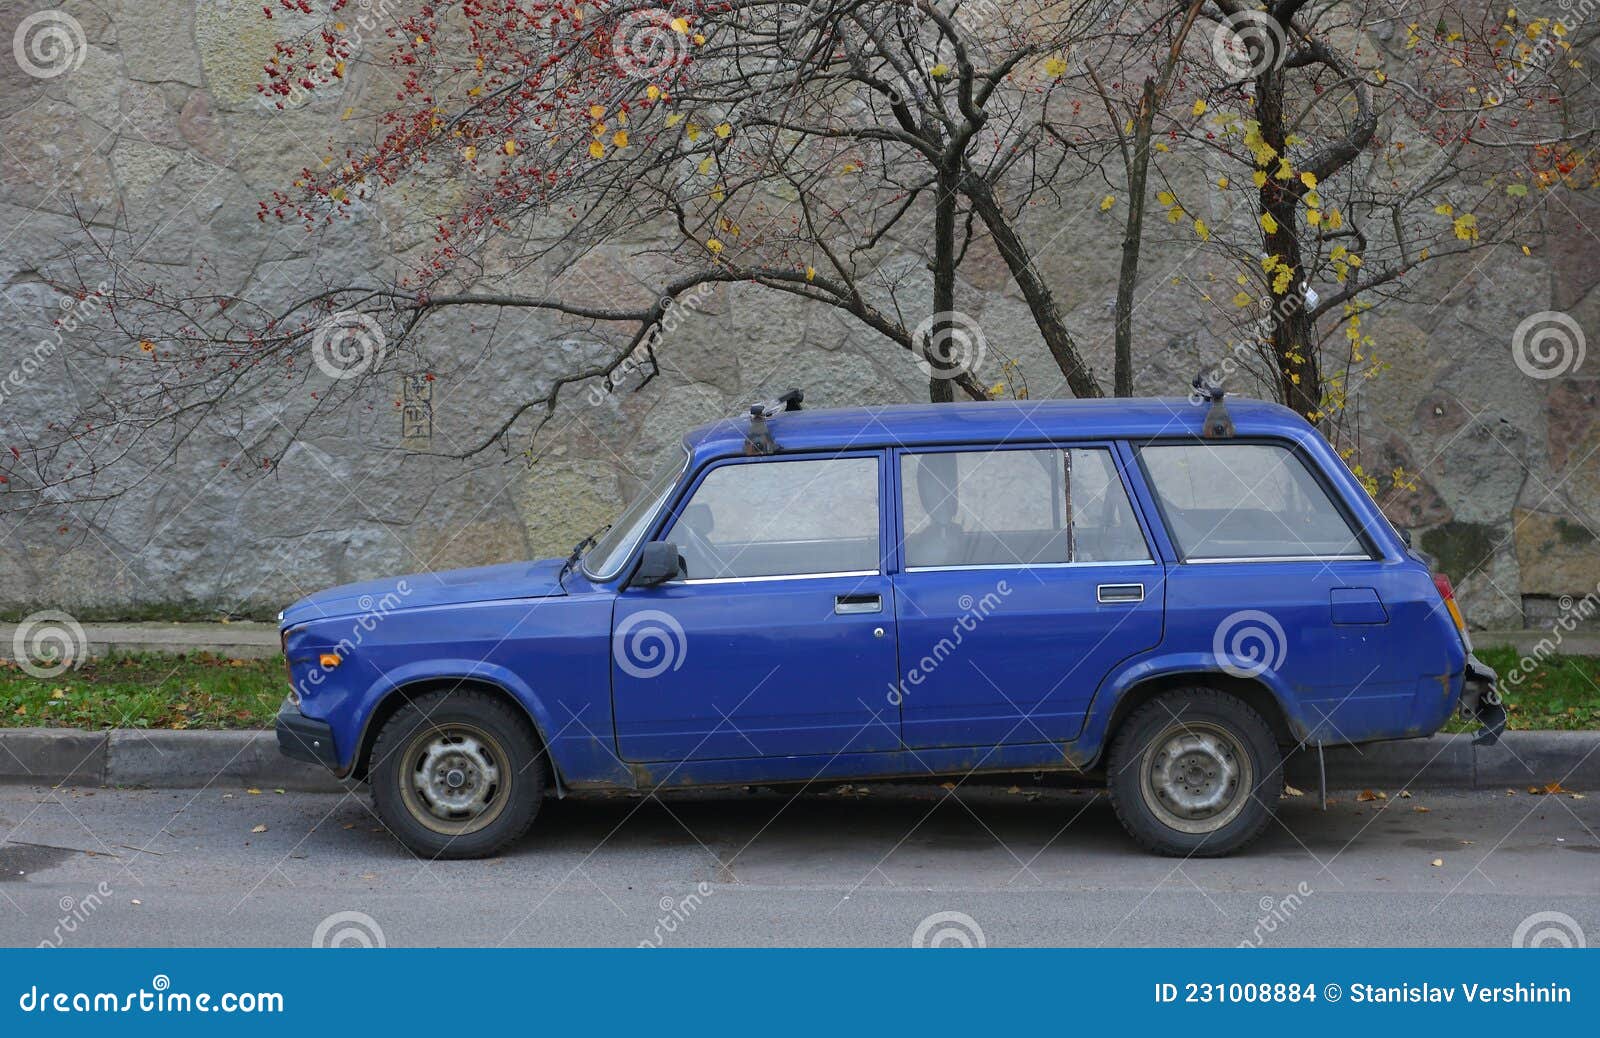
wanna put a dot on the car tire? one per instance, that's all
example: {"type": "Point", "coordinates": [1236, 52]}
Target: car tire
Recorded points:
{"type": "Point", "coordinates": [457, 774]}
{"type": "Point", "coordinates": [1195, 772]}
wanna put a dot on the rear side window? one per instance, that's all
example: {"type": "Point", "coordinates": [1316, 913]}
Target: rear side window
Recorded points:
{"type": "Point", "coordinates": [1245, 501]}
{"type": "Point", "coordinates": [782, 518]}
{"type": "Point", "coordinates": [1017, 508]}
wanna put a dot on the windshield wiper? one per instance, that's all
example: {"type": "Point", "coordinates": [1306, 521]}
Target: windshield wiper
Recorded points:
{"type": "Point", "coordinates": [578, 549]}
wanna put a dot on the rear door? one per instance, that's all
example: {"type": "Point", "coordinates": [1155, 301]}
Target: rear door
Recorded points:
{"type": "Point", "coordinates": [780, 639]}
{"type": "Point", "coordinates": [1025, 577]}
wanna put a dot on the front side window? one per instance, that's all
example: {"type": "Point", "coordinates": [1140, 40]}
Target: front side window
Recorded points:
{"type": "Point", "coordinates": [1245, 501]}
{"type": "Point", "coordinates": [1017, 508]}
{"type": "Point", "coordinates": [782, 518]}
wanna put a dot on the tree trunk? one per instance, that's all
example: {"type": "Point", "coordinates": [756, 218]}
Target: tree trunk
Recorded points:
{"type": "Point", "coordinates": [1293, 334]}
{"type": "Point", "coordinates": [1041, 303]}
{"type": "Point", "coordinates": [941, 390]}
{"type": "Point", "coordinates": [1132, 237]}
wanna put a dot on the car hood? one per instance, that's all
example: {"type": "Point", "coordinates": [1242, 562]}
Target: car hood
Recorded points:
{"type": "Point", "coordinates": [540, 579]}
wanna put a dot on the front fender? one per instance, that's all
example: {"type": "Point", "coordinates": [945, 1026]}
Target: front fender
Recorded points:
{"type": "Point", "coordinates": [1163, 665]}
{"type": "Point", "coordinates": [581, 757]}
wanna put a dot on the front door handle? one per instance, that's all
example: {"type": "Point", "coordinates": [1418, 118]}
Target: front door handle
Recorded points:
{"type": "Point", "coordinates": [844, 605]}
{"type": "Point", "coordinates": [1119, 593]}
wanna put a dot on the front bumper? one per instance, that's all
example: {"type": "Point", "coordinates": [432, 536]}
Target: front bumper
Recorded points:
{"type": "Point", "coordinates": [305, 738]}
{"type": "Point", "coordinates": [1480, 701]}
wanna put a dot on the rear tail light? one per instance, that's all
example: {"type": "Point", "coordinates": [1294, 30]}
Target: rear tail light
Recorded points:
{"type": "Point", "coordinates": [1447, 593]}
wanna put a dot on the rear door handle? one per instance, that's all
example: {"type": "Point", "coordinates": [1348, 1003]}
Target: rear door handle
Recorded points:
{"type": "Point", "coordinates": [1119, 593]}
{"type": "Point", "coordinates": [847, 604]}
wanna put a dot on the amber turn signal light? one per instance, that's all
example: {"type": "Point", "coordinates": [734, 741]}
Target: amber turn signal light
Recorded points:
{"type": "Point", "coordinates": [328, 660]}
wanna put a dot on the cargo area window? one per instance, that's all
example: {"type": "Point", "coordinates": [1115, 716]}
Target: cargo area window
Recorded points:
{"type": "Point", "coordinates": [1017, 508]}
{"type": "Point", "coordinates": [1245, 501]}
{"type": "Point", "coordinates": [782, 518]}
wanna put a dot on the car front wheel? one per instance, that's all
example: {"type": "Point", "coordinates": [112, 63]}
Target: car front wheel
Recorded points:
{"type": "Point", "coordinates": [457, 774]}
{"type": "Point", "coordinates": [1195, 772]}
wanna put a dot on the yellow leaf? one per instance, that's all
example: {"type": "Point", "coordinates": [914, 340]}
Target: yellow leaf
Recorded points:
{"type": "Point", "coordinates": [1313, 217]}
{"type": "Point", "coordinates": [1445, 210]}
{"type": "Point", "coordinates": [469, 152]}
{"type": "Point", "coordinates": [705, 165]}
{"type": "Point", "coordinates": [1466, 227]}
{"type": "Point", "coordinates": [1201, 229]}
{"type": "Point", "coordinates": [1166, 198]}
{"type": "Point", "coordinates": [714, 245]}
{"type": "Point", "coordinates": [1107, 202]}
{"type": "Point", "coordinates": [653, 92]}
{"type": "Point", "coordinates": [679, 25]}
{"type": "Point", "coordinates": [1268, 224]}
{"type": "Point", "coordinates": [724, 131]}
{"type": "Point", "coordinates": [811, 273]}
{"type": "Point", "coordinates": [1055, 66]}
{"type": "Point", "coordinates": [1199, 107]}
{"type": "Point", "coordinates": [692, 131]}
{"type": "Point", "coordinates": [1285, 171]}
{"type": "Point", "coordinates": [939, 70]}
{"type": "Point", "coordinates": [1260, 177]}
{"type": "Point", "coordinates": [1242, 300]}
{"type": "Point", "coordinates": [1525, 251]}
{"type": "Point", "coordinates": [1222, 182]}
{"type": "Point", "coordinates": [1335, 219]}
{"type": "Point", "coordinates": [510, 147]}
{"type": "Point", "coordinates": [674, 119]}
{"type": "Point", "coordinates": [597, 150]}
{"type": "Point", "coordinates": [620, 138]}
{"type": "Point", "coordinates": [717, 194]}
{"type": "Point", "coordinates": [597, 112]}
{"type": "Point", "coordinates": [1309, 179]}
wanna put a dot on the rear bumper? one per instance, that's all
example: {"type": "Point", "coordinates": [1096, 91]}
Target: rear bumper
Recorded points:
{"type": "Point", "coordinates": [305, 738]}
{"type": "Point", "coordinates": [1480, 701]}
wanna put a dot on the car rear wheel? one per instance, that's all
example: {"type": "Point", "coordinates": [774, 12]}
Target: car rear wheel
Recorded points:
{"type": "Point", "coordinates": [1194, 772]}
{"type": "Point", "coordinates": [457, 774]}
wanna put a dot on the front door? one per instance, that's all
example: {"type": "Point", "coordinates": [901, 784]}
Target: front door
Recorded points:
{"type": "Point", "coordinates": [1026, 578]}
{"type": "Point", "coordinates": [780, 639]}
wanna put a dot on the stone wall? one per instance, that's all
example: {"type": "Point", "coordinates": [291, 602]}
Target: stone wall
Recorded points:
{"type": "Point", "coordinates": [158, 131]}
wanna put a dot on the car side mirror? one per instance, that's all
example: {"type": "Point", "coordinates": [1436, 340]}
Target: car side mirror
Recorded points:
{"type": "Point", "coordinates": [659, 562]}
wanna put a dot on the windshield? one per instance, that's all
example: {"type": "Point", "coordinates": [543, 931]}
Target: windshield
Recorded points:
{"type": "Point", "coordinates": [610, 551]}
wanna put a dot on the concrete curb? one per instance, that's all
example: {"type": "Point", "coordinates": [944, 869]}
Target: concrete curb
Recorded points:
{"type": "Point", "coordinates": [155, 759]}
{"type": "Point", "coordinates": [195, 760]}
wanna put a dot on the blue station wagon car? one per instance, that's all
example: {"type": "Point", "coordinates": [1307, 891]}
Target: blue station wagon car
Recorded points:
{"type": "Point", "coordinates": [1157, 594]}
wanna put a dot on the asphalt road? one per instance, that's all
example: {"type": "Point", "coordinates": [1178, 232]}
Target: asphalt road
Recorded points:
{"type": "Point", "coordinates": [106, 868]}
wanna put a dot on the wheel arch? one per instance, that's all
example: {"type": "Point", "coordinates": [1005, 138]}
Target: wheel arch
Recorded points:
{"type": "Point", "coordinates": [391, 702]}
{"type": "Point", "coordinates": [1257, 695]}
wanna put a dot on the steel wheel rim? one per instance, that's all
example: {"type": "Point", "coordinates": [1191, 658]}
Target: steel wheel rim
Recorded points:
{"type": "Point", "coordinates": [1196, 777]}
{"type": "Point", "coordinates": [454, 778]}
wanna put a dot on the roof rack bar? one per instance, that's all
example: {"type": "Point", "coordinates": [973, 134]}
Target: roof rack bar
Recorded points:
{"type": "Point", "coordinates": [1207, 385]}
{"type": "Point", "coordinates": [758, 440]}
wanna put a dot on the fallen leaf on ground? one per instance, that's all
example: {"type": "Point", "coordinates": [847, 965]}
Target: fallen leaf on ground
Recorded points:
{"type": "Point", "coordinates": [1014, 790]}
{"type": "Point", "coordinates": [253, 792]}
{"type": "Point", "coordinates": [259, 829]}
{"type": "Point", "coordinates": [1404, 794]}
{"type": "Point", "coordinates": [1367, 795]}
{"type": "Point", "coordinates": [1437, 863]}
{"type": "Point", "coordinates": [1419, 809]}
{"type": "Point", "coordinates": [1290, 791]}
{"type": "Point", "coordinates": [135, 901]}
{"type": "Point", "coordinates": [947, 785]}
